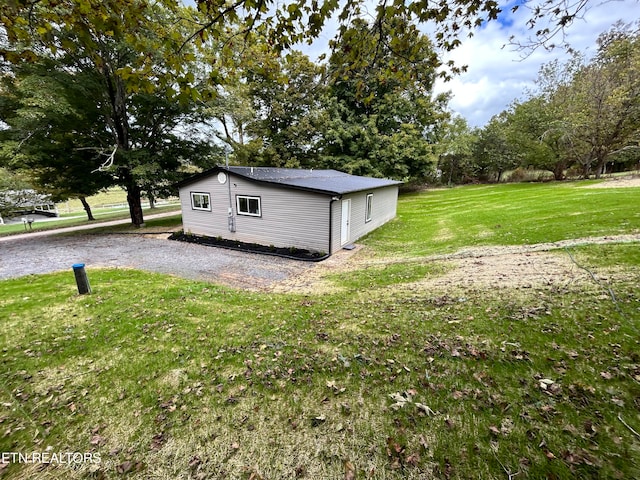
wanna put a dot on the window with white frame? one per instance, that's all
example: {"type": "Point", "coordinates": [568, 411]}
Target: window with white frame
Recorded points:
{"type": "Point", "coordinates": [369, 208]}
{"type": "Point", "coordinates": [200, 201]}
{"type": "Point", "coordinates": [248, 206]}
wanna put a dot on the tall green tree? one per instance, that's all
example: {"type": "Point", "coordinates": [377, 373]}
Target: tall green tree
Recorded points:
{"type": "Point", "coordinates": [494, 151]}
{"type": "Point", "coordinates": [131, 47]}
{"type": "Point", "coordinates": [541, 136]}
{"type": "Point", "coordinates": [456, 162]}
{"type": "Point", "coordinates": [287, 102]}
{"type": "Point", "coordinates": [131, 50]}
{"type": "Point", "coordinates": [55, 131]}
{"type": "Point", "coordinates": [606, 108]}
{"type": "Point", "coordinates": [381, 115]}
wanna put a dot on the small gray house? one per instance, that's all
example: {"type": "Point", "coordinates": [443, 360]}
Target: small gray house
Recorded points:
{"type": "Point", "coordinates": [317, 210]}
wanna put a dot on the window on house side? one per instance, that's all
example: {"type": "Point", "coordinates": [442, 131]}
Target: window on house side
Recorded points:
{"type": "Point", "coordinates": [200, 201]}
{"type": "Point", "coordinates": [369, 211]}
{"type": "Point", "coordinates": [248, 206]}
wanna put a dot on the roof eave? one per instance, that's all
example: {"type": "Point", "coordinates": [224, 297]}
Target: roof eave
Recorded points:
{"type": "Point", "coordinates": [220, 168]}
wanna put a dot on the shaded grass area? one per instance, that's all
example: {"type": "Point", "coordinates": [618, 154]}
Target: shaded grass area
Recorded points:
{"type": "Point", "coordinates": [154, 225]}
{"type": "Point", "coordinates": [387, 274]}
{"type": "Point", "coordinates": [110, 197]}
{"type": "Point", "coordinates": [610, 255]}
{"type": "Point", "coordinates": [167, 378]}
{"type": "Point", "coordinates": [445, 220]}
{"type": "Point", "coordinates": [14, 229]}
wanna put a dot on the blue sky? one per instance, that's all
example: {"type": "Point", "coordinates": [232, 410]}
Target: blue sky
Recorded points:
{"type": "Point", "coordinates": [497, 74]}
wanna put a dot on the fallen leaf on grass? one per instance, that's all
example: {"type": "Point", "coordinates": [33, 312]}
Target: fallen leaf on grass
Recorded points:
{"type": "Point", "coordinates": [425, 408]}
{"type": "Point", "coordinates": [545, 383]}
{"type": "Point", "coordinates": [457, 395]}
{"type": "Point", "coordinates": [158, 441]}
{"type": "Point", "coordinates": [300, 471]}
{"type": "Point", "coordinates": [333, 386]}
{"type": "Point", "coordinates": [400, 399]}
{"type": "Point", "coordinates": [589, 428]}
{"type": "Point", "coordinates": [195, 462]}
{"type": "Point", "coordinates": [578, 457]}
{"type": "Point", "coordinates": [255, 475]}
{"type": "Point", "coordinates": [129, 466]}
{"type": "Point", "coordinates": [413, 459]}
{"type": "Point", "coordinates": [319, 420]}
{"type": "Point", "coordinates": [394, 449]}
{"type": "Point", "coordinates": [617, 401]}
{"type": "Point", "coordinates": [349, 470]}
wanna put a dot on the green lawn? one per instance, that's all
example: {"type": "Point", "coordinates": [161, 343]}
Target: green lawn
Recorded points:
{"type": "Point", "coordinates": [72, 221]}
{"type": "Point", "coordinates": [446, 220]}
{"type": "Point", "coordinates": [169, 378]}
{"type": "Point", "coordinates": [108, 205]}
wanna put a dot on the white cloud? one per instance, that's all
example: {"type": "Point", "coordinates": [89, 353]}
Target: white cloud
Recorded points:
{"type": "Point", "coordinates": [497, 75]}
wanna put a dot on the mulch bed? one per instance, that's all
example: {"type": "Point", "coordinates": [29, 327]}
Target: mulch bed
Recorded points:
{"type": "Point", "coordinates": [291, 252]}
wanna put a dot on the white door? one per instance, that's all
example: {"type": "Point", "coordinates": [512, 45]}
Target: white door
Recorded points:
{"type": "Point", "coordinates": [345, 224]}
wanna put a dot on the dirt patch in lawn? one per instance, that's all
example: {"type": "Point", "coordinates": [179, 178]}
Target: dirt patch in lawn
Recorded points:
{"type": "Point", "coordinates": [508, 270]}
{"type": "Point", "coordinates": [621, 182]}
{"type": "Point", "coordinates": [497, 267]}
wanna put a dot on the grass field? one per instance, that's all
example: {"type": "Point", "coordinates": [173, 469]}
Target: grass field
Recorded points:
{"type": "Point", "coordinates": [380, 378]}
{"type": "Point", "coordinates": [512, 214]}
{"type": "Point", "coordinates": [105, 206]}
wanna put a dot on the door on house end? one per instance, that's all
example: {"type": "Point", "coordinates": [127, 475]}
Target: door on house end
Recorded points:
{"type": "Point", "coordinates": [345, 223]}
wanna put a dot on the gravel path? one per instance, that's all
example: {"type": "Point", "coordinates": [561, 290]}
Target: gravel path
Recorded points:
{"type": "Point", "coordinates": [45, 254]}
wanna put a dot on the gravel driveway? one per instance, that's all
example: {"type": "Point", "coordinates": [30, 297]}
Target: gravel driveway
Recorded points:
{"type": "Point", "coordinates": [153, 253]}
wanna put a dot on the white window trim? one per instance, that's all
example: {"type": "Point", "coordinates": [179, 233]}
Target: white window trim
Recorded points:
{"type": "Point", "coordinates": [368, 208]}
{"type": "Point", "coordinates": [193, 203]}
{"type": "Point", "coordinates": [249, 197]}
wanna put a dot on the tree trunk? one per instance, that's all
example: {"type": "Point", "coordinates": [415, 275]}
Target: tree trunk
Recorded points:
{"type": "Point", "coordinates": [600, 167]}
{"type": "Point", "coordinates": [558, 170]}
{"type": "Point", "coordinates": [134, 199]}
{"type": "Point", "coordinates": [87, 208]}
{"type": "Point", "coordinates": [152, 201]}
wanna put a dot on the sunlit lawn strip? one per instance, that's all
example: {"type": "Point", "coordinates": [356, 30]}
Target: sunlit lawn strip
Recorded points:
{"type": "Point", "coordinates": [13, 229]}
{"type": "Point", "coordinates": [445, 220]}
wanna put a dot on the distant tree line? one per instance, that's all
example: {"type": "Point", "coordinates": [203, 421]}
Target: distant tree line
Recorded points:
{"type": "Point", "coordinates": [583, 119]}
{"type": "Point", "coordinates": [94, 95]}
{"type": "Point", "coordinates": [141, 94]}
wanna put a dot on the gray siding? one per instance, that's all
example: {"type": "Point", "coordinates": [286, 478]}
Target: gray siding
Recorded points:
{"type": "Point", "coordinates": [383, 209]}
{"type": "Point", "coordinates": [289, 217]}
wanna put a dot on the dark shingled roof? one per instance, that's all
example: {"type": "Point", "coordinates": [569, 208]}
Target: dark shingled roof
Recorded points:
{"type": "Point", "coordinates": [331, 182]}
